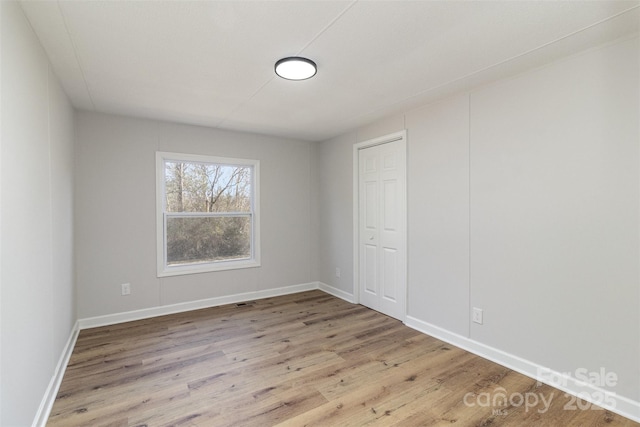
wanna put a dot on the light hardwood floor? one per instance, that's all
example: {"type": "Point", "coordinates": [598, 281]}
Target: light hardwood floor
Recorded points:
{"type": "Point", "coordinates": [308, 359]}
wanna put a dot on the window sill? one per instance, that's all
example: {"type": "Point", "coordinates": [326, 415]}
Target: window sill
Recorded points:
{"type": "Point", "coordinates": [208, 268]}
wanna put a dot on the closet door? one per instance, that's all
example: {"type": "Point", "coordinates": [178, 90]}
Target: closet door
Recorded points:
{"type": "Point", "coordinates": [382, 228]}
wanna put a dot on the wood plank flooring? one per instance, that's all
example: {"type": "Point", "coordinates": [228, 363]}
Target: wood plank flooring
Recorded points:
{"type": "Point", "coordinates": [308, 359]}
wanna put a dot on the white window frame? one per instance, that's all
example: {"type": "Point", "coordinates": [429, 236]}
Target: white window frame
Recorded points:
{"type": "Point", "coordinates": [164, 270]}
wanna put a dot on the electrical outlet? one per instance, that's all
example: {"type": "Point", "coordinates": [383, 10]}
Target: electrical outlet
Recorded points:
{"type": "Point", "coordinates": [126, 288]}
{"type": "Point", "coordinates": [338, 272]}
{"type": "Point", "coordinates": [477, 315]}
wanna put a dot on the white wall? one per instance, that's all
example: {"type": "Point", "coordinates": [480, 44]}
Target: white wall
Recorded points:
{"type": "Point", "coordinates": [522, 200]}
{"type": "Point", "coordinates": [38, 306]}
{"type": "Point", "coordinates": [335, 217]}
{"type": "Point", "coordinates": [438, 214]}
{"type": "Point", "coordinates": [554, 214]}
{"type": "Point", "coordinates": [115, 211]}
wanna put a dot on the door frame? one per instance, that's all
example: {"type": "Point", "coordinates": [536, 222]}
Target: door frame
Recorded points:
{"type": "Point", "coordinates": [392, 137]}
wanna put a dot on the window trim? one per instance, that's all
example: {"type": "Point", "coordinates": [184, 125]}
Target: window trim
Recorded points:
{"type": "Point", "coordinates": [163, 270]}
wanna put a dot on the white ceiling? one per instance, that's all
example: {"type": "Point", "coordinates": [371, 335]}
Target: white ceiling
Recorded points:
{"type": "Point", "coordinates": [211, 62]}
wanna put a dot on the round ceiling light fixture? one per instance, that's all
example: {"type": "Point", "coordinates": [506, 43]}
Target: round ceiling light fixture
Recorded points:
{"type": "Point", "coordinates": [296, 68]}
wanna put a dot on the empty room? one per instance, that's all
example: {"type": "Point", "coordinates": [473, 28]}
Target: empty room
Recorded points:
{"type": "Point", "coordinates": [319, 213]}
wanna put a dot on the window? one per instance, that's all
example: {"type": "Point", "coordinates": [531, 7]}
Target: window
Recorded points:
{"type": "Point", "coordinates": [207, 213]}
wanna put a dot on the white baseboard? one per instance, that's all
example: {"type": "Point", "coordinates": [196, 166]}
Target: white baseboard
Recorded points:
{"type": "Point", "coordinates": [40, 420]}
{"type": "Point", "coordinates": [128, 316]}
{"type": "Point", "coordinates": [336, 292]}
{"type": "Point", "coordinates": [619, 404]}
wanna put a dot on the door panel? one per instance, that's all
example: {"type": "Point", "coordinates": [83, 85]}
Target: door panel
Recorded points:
{"type": "Point", "coordinates": [371, 205]}
{"type": "Point", "coordinates": [390, 205]}
{"type": "Point", "coordinates": [389, 261]}
{"type": "Point", "coordinates": [371, 269]}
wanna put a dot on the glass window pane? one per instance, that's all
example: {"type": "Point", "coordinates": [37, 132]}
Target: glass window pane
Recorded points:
{"type": "Point", "coordinates": [198, 239]}
{"type": "Point", "coordinates": [207, 187]}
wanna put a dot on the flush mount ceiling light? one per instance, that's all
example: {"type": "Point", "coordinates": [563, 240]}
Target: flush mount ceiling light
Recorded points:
{"type": "Point", "coordinates": [296, 68]}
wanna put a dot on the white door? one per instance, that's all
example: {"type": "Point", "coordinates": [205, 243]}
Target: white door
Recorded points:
{"type": "Point", "coordinates": [382, 257]}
